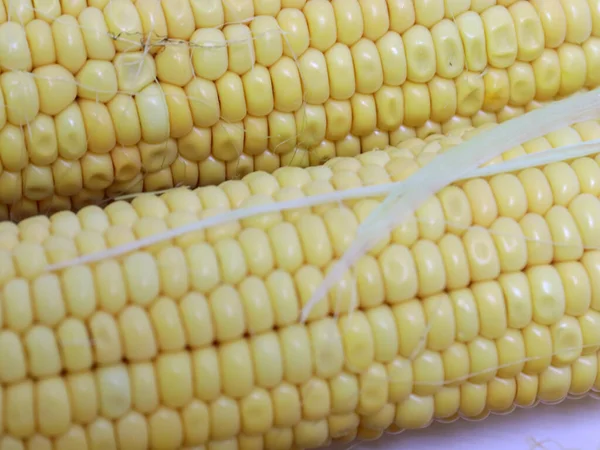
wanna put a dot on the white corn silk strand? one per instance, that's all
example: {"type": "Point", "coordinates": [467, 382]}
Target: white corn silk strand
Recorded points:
{"type": "Point", "coordinates": [450, 166]}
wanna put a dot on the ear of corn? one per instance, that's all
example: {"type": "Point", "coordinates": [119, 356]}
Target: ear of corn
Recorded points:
{"type": "Point", "coordinates": [467, 308]}
{"type": "Point", "coordinates": [102, 98]}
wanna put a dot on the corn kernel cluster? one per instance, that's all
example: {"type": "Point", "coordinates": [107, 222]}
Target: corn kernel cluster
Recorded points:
{"type": "Point", "coordinates": [486, 298]}
{"type": "Point", "coordinates": [103, 98]}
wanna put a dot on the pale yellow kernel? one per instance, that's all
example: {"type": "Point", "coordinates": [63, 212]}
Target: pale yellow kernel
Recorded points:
{"type": "Point", "coordinates": [68, 40]}
{"type": "Point", "coordinates": [19, 409]}
{"type": "Point", "coordinates": [472, 32]}
{"type": "Point", "coordinates": [125, 26]}
{"type": "Point", "coordinates": [318, 15]}
{"type": "Point", "coordinates": [428, 12]}
{"type": "Point", "coordinates": [548, 296]}
{"type": "Point", "coordinates": [511, 354]}
{"type": "Point", "coordinates": [583, 373]}
{"type": "Point", "coordinates": [75, 345]}
{"type": "Point", "coordinates": [393, 58]}
{"type": "Point", "coordinates": [137, 334]}
{"type": "Point", "coordinates": [14, 48]}
{"type": "Point", "coordinates": [440, 317]}
{"type": "Point", "coordinates": [349, 20]}
{"type": "Point", "coordinates": [295, 33]}
{"type": "Point", "coordinates": [311, 434]}
{"type": "Point", "coordinates": [135, 71]}
{"type": "Point", "coordinates": [368, 68]}
{"type": "Point", "coordinates": [286, 403]}
{"type": "Point", "coordinates": [342, 81]}
{"type": "Point", "coordinates": [447, 402]}
{"type": "Point", "coordinates": [374, 389]}
{"type": "Point", "coordinates": [483, 354]}
{"type": "Point", "coordinates": [174, 65]}
{"type": "Point", "coordinates": [159, 422]}
{"type": "Point", "coordinates": [591, 339]}
{"type": "Point", "coordinates": [554, 21]}
{"type": "Point", "coordinates": [297, 358]}
{"type": "Point", "coordinates": [567, 341]}
{"type": "Point", "coordinates": [42, 351]}
{"type": "Point", "coordinates": [497, 89]}
{"type": "Point", "coordinates": [448, 49]}
{"type": "Point", "coordinates": [579, 20]}
{"type": "Point", "coordinates": [411, 326]}
{"type": "Point", "coordinates": [13, 150]}
{"type": "Point", "coordinates": [47, 10]}
{"type": "Point", "coordinates": [240, 48]}
{"type": "Point", "coordinates": [268, 41]}
{"type": "Point", "coordinates": [492, 310]}
{"type": "Point", "coordinates": [538, 345]}
{"type": "Point", "coordinates": [256, 411]}
{"type": "Point", "coordinates": [415, 412]}
{"type": "Point", "coordinates": [554, 384]}
{"type": "Point", "coordinates": [522, 84]}
{"type": "Point", "coordinates": [21, 97]}
{"type": "Point", "coordinates": [399, 273]}
{"type": "Point", "coordinates": [420, 51]}
{"type": "Point", "coordinates": [287, 85]}
{"type": "Point", "coordinates": [482, 254]}
{"type": "Point", "coordinates": [470, 94]}
{"type": "Point", "coordinates": [573, 68]}
{"type": "Point", "coordinates": [239, 11]}
{"type": "Point", "coordinates": [455, 259]}
{"type": "Point", "coordinates": [564, 232]}
{"type": "Point", "coordinates": [13, 366]}
{"type": "Point", "coordinates": [591, 48]}
{"type": "Point", "coordinates": [417, 104]}
{"type": "Point", "coordinates": [155, 125]}
{"type": "Point", "coordinates": [501, 394]}
{"type": "Point", "coordinates": [104, 338]}
{"type": "Point", "coordinates": [95, 33]}
{"type": "Point", "coordinates": [453, 8]}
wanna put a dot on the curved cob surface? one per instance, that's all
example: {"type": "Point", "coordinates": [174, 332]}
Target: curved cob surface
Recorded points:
{"type": "Point", "coordinates": [487, 298]}
{"type": "Point", "coordinates": [104, 98]}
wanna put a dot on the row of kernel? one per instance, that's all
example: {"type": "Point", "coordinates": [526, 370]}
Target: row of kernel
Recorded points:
{"type": "Point", "coordinates": [475, 401]}
{"type": "Point", "coordinates": [74, 400]}
{"type": "Point", "coordinates": [427, 374]}
{"type": "Point", "coordinates": [438, 100]}
{"type": "Point", "coordinates": [487, 309]}
{"type": "Point", "coordinates": [174, 65]}
{"type": "Point", "coordinates": [553, 140]}
{"type": "Point", "coordinates": [399, 15]}
{"type": "Point", "coordinates": [237, 48]}
{"type": "Point", "coordinates": [523, 25]}
{"type": "Point", "coordinates": [554, 384]}
{"type": "Point", "coordinates": [571, 292]}
{"type": "Point", "coordinates": [225, 418]}
{"type": "Point", "coordinates": [48, 138]}
{"type": "Point", "coordinates": [134, 431]}
{"type": "Point", "coordinates": [127, 164]}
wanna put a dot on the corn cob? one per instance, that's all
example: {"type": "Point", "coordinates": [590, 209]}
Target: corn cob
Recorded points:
{"type": "Point", "coordinates": [104, 98]}
{"type": "Point", "coordinates": [194, 342]}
